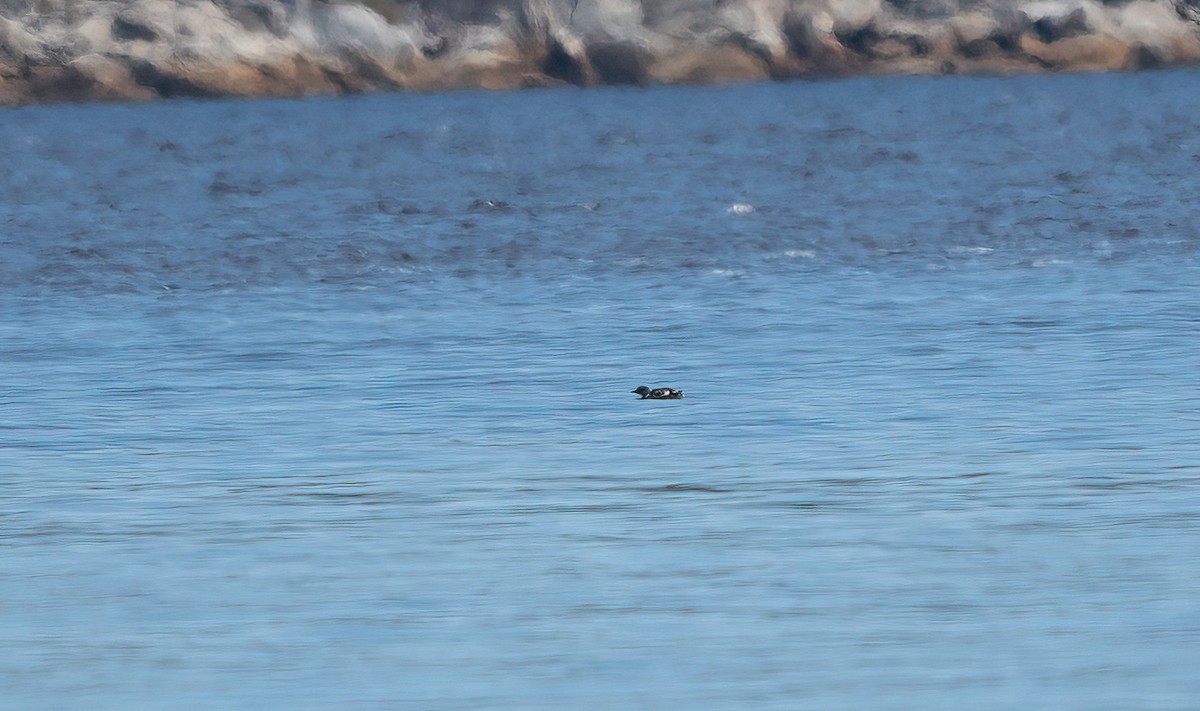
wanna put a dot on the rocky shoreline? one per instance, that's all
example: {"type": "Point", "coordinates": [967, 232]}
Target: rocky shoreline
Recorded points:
{"type": "Point", "coordinates": [130, 50]}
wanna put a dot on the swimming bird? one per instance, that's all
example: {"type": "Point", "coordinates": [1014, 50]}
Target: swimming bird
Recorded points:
{"type": "Point", "coordinates": [658, 393]}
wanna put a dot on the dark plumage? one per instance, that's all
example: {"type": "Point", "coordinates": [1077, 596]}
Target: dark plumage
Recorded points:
{"type": "Point", "coordinates": [658, 393]}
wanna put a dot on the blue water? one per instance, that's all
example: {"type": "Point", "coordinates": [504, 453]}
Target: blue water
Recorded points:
{"type": "Point", "coordinates": [325, 404]}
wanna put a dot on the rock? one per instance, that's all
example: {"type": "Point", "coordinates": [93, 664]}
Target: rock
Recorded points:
{"type": "Point", "coordinates": [619, 62]}
{"type": "Point", "coordinates": [14, 91]}
{"type": "Point", "coordinates": [973, 26]}
{"type": "Point", "coordinates": [370, 72]}
{"type": "Point", "coordinates": [563, 65]}
{"type": "Point", "coordinates": [18, 47]}
{"type": "Point", "coordinates": [126, 29]}
{"type": "Point", "coordinates": [96, 32]}
{"type": "Point", "coordinates": [261, 16]}
{"type": "Point", "coordinates": [850, 16]}
{"type": "Point", "coordinates": [297, 76]}
{"type": "Point", "coordinates": [204, 32]}
{"type": "Point", "coordinates": [1094, 53]}
{"type": "Point", "coordinates": [710, 64]}
{"type": "Point", "coordinates": [926, 9]}
{"type": "Point", "coordinates": [137, 49]}
{"type": "Point", "coordinates": [1142, 57]}
{"type": "Point", "coordinates": [164, 79]}
{"type": "Point", "coordinates": [872, 42]}
{"type": "Point", "coordinates": [901, 46]}
{"type": "Point", "coordinates": [611, 20]}
{"type": "Point", "coordinates": [1154, 24]}
{"type": "Point", "coordinates": [358, 30]}
{"type": "Point", "coordinates": [1054, 28]}
{"type": "Point", "coordinates": [144, 21]}
{"type": "Point", "coordinates": [103, 78]}
{"type": "Point", "coordinates": [812, 41]}
{"type": "Point", "coordinates": [1188, 10]}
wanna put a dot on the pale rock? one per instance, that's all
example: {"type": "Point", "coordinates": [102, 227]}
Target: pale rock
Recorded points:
{"type": "Point", "coordinates": [1154, 24]}
{"type": "Point", "coordinates": [758, 27]}
{"type": "Point", "coordinates": [351, 27]}
{"type": "Point", "coordinates": [1094, 53]}
{"type": "Point", "coordinates": [973, 26]}
{"type": "Point", "coordinates": [610, 20]}
{"type": "Point", "coordinates": [851, 15]}
{"type": "Point", "coordinates": [96, 30]}
{"type": "Point", "coordinates": [18, 45]}
{"type": "Point", "coordinates": [207, 32]}
{"type": "Point", "coordinates": [706, 64]}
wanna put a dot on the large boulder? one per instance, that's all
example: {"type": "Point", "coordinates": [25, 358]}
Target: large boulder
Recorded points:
{"type": "Point", "coordinates": [132, 49]}
{"type": "Point", "coordinates": [144, 21]}
{"type": "Point", "coordinates": [104, 78]}
{"type": "Point", "coordinates": [1095, 53]}
{"type": "Point", "coordinates": [18, 48]}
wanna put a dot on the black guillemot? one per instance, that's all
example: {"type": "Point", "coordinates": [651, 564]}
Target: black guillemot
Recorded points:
{"type": "Point", "coordinates": [658, 393]}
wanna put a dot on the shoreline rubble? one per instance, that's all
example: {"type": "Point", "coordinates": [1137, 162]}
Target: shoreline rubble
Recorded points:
{"type": "Point", "coordinates": [140, 50]}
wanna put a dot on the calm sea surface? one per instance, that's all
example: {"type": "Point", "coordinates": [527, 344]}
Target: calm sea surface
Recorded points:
{"type": "Point", "coordinates": [325, 404]}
